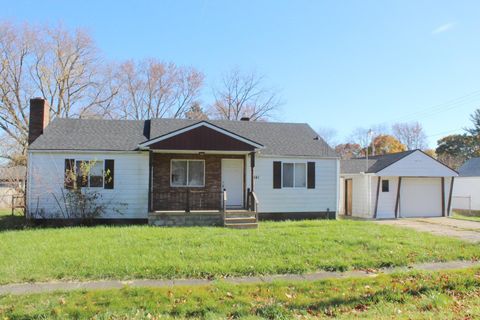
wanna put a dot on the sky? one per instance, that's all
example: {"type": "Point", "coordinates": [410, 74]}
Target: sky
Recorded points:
{"type": "Point", "coordinates": [337, 64]}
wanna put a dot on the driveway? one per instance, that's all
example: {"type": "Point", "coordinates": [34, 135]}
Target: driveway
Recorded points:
{"type": "Point", "coordinates": [462, 229]}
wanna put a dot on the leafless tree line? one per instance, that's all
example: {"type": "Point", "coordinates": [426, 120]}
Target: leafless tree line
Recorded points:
{"type": "Point", "coordinates": [66, 68]}
{"type": "Point", "coordinates": [405, 136]}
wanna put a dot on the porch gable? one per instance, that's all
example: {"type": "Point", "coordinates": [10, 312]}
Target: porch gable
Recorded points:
{"type": "Point", "coordinates": [202, 136]}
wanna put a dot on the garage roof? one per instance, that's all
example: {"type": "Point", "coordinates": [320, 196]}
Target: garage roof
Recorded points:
{"type": "Point", "coordinates": [471, 168]}
{"type": "Point", "coordinates": [407, 163]}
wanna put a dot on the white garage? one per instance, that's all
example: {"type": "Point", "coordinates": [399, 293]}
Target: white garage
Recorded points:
{"type": "Point", "coordinates": [398, 185]}
{"type": "Point", "coordinates": [466, 192]}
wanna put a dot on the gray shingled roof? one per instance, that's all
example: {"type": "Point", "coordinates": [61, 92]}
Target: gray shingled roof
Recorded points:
{"type": "Point", "coordinates": [296, 139]}
{"type": "Point", "coordinates": [375, 163]}
{"type": "Point", "coordinates": [471, 168]}
{"type": "Point", "coordinates": [355, 165]}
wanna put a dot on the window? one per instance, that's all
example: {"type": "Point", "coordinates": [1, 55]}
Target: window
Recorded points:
{"type": "Point", "coordinates": [89, 174]}
{"type": "Point", "coordinates": [294, 175]}
{"type": "Point", "coordinates": [187, 173]}
{"type": "Point", "coordinates": [385, 186]}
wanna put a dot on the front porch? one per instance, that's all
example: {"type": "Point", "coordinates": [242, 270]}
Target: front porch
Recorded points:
{"type": "Point", "coordinates": [198, 174]}
{"type": "Point", "coordinates": [191, 189]}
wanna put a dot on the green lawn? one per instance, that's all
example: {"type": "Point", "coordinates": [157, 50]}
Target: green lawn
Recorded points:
{"type": "Point", "coordinates": [202, 252]}
{"type": "Point", "coordinates": [444, 295]}
{"type": "Point", "coordinates": [9, 222]}
{"type": "Point", "coordinates": [465, 215]}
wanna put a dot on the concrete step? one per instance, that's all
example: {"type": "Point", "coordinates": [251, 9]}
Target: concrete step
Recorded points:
{"type": "Point", "coordinates": [241, 225]}
{"type": "Point", "coordinates": [232, 220]}
{"type": "Point", "coordinates": [239, 213]}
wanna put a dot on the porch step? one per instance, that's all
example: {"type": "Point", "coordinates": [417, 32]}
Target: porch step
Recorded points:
{"type": "Point", "coordinates": [236, 220]}
{"type": "Point", "coordinates": [252, 225]}
{"type": "Point", "coordinates": [240, 213]}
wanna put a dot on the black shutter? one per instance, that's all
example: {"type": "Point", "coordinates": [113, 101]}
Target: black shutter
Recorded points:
{"type": "Point", "coordinates": [277, 175]}
{"type": "Point", "coordinates": [109, 174]}
{"type": "Point", "coordinates": [311, 175]}
{"type": "Point", "coordinates": [69, 174]}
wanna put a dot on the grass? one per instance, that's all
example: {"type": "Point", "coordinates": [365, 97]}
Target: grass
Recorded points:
{"type": "Point", "coordinates": [444, 295]}
{"type": "Point", "coordinates": [202, 252]}
{"type": "Point", "coordinates": [9, 222]}
{"type": "Point", "coordinates": [466, 215]}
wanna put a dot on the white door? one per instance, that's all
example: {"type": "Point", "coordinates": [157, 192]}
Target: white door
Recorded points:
{"type": "Point", "coordinates": [421, 197]}
{"type": "Point", "coordinates": [232, 181]}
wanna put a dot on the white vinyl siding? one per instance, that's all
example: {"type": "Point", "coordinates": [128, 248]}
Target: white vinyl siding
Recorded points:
{"type": "Point", "coordinates": [46, 179]}
{"type": "Point", "coordinates": [417, 164]}
{"type": "Point", "coordinates": [466, 193]}
{"type": "Point", "coordinates": [323, 197]}
{"type": "Point", "coordinates": [386, 200]}
{"type": "Point", "coordinates": [361, 205]}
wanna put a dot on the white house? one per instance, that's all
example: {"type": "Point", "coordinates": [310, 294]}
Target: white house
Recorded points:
{"type": "Point", "coordinates": [466, 191]}
{"type": "Point", "coordinates": [177, 171]}
{"type": "Point", "coordinates": [397, 185]}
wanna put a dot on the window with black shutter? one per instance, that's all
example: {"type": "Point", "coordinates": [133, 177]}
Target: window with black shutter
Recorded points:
{"type": "Point", "coordinates": [109, 173]}
{"type": "Point", "coordinates": [69, 174]}
{"type": "Point", "coordinates": [277, 175]}
{"type": "Point", "coordinates": [311, 175]}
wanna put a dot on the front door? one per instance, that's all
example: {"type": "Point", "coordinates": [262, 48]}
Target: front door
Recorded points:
{"type": "Point", "coordinates": [232, 181]}
{"type": "Point", "coordinates": [348, 197]}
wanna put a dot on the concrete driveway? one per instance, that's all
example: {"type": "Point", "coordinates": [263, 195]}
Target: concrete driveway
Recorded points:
{"type": "Point", "coordinates": [462, 229]}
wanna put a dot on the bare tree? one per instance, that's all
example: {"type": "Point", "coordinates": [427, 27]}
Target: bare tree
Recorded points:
{"type": "Point", "coordinates": [328, 134]}
{"type": "Point", "coordinates": [61, 66]}
{"type": "Point", "coordinates": [410, 134]}
{"type": "Point", "coordinates": [244, 95]}
{"type": "Point", "coordinates": [15, 89]}
{"type": "Point", "coordinates": [196, 112]}
{"type": "Point", "coordinates": [362, 137]}
{"type": "Point", "coordinates": [348, 150]}
{"type": "Point", "coordinates": [154, 89]}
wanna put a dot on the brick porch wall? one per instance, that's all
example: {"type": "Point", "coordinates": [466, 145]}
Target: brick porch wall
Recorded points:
{"type": "Point", "coordinates": [208, 197]}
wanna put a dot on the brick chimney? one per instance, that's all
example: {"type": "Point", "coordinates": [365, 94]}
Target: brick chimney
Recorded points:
{"type": "Point", "coordinates": [39, 118]}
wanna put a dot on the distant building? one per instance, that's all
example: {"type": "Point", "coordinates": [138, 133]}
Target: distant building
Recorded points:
{"type": "Point", "coordinates": [466, 192]}
{"type": "Point", "coordinates": [12, 182]}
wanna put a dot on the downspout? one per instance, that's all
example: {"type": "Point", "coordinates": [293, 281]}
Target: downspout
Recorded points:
{"type": "Point", "coordinates": [150, 181]}
{"type": "Point", "coordinates": [338, 190]}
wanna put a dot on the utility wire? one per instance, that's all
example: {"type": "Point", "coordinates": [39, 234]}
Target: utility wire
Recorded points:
{"type": "Point", "coordinates": [442, 107]}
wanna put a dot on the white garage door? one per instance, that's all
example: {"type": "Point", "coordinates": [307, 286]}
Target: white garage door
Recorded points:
{"type": "Point", "coordinates": [421, 197]}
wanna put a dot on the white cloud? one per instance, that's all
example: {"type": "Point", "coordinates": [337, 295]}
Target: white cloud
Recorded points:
{"type": "Point", "coordinates": [443, 28]}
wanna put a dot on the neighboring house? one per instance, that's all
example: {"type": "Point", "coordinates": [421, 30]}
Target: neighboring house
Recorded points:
{"type": "Point", "coordinates": [12, 183]}
{"type": "Point", "coordinates": [466, 192]}
{"type": "Point", "coordinates": [404, 184]}
{"type": "Point", "coordinates": [175, 171]}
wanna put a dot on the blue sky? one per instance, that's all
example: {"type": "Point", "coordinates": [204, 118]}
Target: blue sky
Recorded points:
{"type": "Point", "coordinates": [338, 64]}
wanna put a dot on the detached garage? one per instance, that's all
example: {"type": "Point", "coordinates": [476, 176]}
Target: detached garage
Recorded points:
{"type": "Point", "coordinates": [398, 185]}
